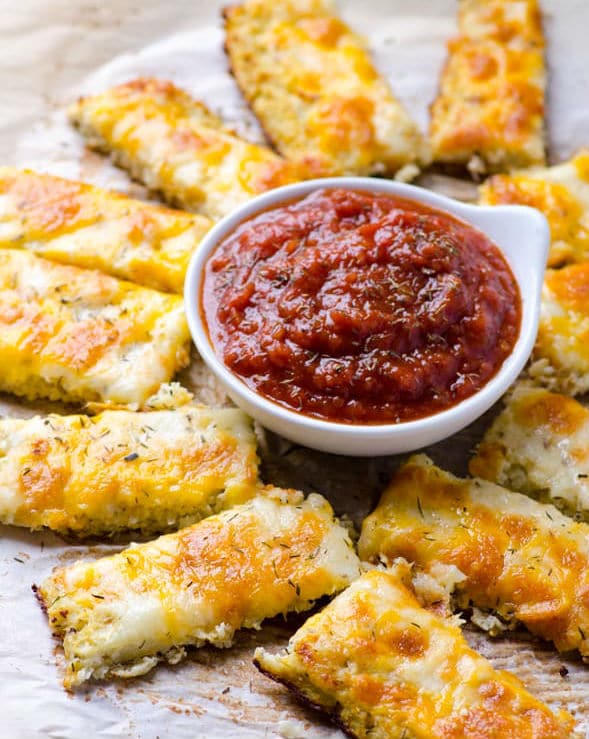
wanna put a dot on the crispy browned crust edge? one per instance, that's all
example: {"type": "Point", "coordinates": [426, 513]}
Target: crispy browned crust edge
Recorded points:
{"type": "Point", "coordinates": [334, 715]}
{"type": "Point", "coordinates": [44, 607]}
{"type": "Point", "coordinates": [40, 599]}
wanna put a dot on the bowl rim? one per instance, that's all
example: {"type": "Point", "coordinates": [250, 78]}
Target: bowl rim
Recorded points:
{"type": "Point", "coordinates": [471, 407]}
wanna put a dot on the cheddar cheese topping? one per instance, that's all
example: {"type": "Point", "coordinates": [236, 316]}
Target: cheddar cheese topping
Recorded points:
{"type": "Point", "coordinates": [491, 100]}
{"type": "Point", "coordinates": [78, 335]}
{"type": "Point", "coordinates": [561, 193]}
{"type": "Point", "coordinates": [312, 84]}
{"type": "Point", "coordinates": [561, 354]}
{"type": "Point", "coordinates": [123, 470]}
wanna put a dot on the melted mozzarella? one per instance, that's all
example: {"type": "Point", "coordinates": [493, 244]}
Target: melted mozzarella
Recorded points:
{"type": "Point", "coordinates": [561, 193]}
{"type": "Point", "coordinates": [74, 223]}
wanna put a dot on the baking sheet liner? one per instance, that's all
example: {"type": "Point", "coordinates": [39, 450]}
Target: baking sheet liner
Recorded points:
{"type": "Point", "coordinates": [52, 52]}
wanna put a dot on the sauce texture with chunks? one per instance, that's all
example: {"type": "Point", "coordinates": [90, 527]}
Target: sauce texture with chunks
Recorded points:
{"type": "Point", "coordinates": [360, 307]}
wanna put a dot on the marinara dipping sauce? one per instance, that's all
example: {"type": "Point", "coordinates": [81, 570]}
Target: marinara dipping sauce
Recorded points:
{"type": "Point", "coordinates": [360, 307]}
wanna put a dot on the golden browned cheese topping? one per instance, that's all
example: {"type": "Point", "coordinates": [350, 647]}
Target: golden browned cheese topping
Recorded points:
{"type": "Point", "coordinates": [521, 560]}
{"type": "Point", "coordinates": [384, 667]}
{"type": "Point", "coordinates": [311, 82]}
{"type": "Point", "coordinates": [120, 615]}
{"type": "Point", "coordinates": [147, 471]}
{"type": "Point", "coordinates": [562, 345]}
{"type": "Point", "coordinates": [561, 193]}
{"type": "Point", "coordinates": [78, 335]}
{"type": "Point", "coordinates": [174, 144]}
{"type": "Point", "coordinates": [558, 413]}
{"type": "Point", "coordinates": [539, 445]}
{"type": "Point", "coordinates": [491, 102]}
{"type": "Point", "coordinates": [570, 287]}
{"type": "Point", "coordinates": [74, 223]}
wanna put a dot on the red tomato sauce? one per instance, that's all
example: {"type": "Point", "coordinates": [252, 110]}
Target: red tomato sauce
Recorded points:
{"type": "Point", "coordinates": [360, 307]}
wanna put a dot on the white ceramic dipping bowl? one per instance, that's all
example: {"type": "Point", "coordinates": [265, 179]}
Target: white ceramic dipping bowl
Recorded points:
{"type": "Point", "coordinates": [522, 235]}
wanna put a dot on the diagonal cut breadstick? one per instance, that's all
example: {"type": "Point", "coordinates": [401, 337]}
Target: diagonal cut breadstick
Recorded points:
{"type": "Point", "coordinates": [522, 561]}
{"type": "Point", "coordinates": [120, 615]}
{"type": "Point", "coordinates": [121, 470]}
{"type": "Point", "coordinates": [490, 109]}
{"type": "Point", "coordinates": [382, 666]}
{"type": "Point", "coordinates": [81, 336]}
{"type": "Point", "coordinates": [311, 82]}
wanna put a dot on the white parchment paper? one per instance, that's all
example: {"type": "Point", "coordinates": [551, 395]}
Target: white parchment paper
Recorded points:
{"type": "Point", "coordinates": [50, 53]}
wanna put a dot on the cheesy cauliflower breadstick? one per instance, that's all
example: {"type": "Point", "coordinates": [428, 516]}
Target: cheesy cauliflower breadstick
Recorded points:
{"type": "Point", "coordinates": [490, 109]}
{"type": "Point", "coordinates": [176, 146]}
{"type": "Point", "coordinates": [560, 360]}
{"type": "Point", "coordinates": [81, 336]}
{"type": "Point", "coordinates": [539, 445]}
{"type": "Point", "coordinates": [382, 666]}
{"type": "Point", "coordinates": [75, 223]}
{"type": "Point", "coordinates": [123, 470]}
{"type": "Point", "coordinates": [561, 193]}
{"type": "Point", "coordinates": [519, 560]}
{"type": "Point", "coordinates": [310, 80]}
{"type": "Point", "coordinates": [122, 614]}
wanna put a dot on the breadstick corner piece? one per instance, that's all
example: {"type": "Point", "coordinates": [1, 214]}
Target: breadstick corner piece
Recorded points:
{"type": "Point", "coordinates": [489, 113]}
{"type": "Point", "coordinates": [382, 666]}
{"type": "Point", "coordinates": [310, 81]}
{"type": "Point", "coordinates": [561, 193]}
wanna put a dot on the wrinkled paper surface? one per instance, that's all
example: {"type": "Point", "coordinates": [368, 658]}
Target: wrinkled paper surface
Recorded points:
{"type": "Point", "coordinates": [50, 53]}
